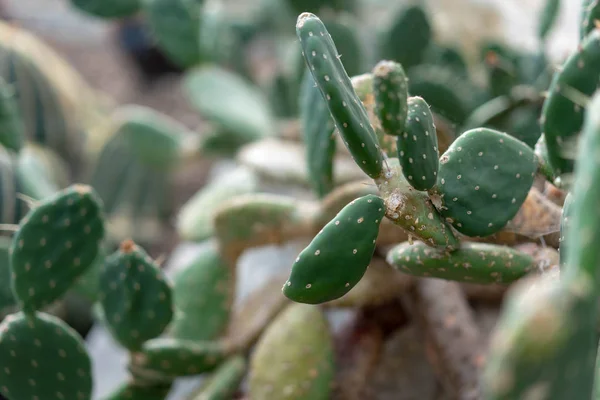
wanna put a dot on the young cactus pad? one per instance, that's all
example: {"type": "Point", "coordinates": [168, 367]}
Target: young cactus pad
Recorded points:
{"type": "Point", "coordinates": [43, 358]}
{"type": "Point", "coordinates": [337, 258]}
{"type": "Point", "coordinates": [57, 242]}
{"type": "Point", "coordinates": [390, 86]}
{"type": "Point", "coordinates": [473, 262]}
{"type": "Point", "coordinates": [484, 177]}
{"type": "Point", "coordinates": [418, 147]}
{"type": "Point", "coordinates": [348, 112]}
{"type": "Point", "coordinates": [136, 298]}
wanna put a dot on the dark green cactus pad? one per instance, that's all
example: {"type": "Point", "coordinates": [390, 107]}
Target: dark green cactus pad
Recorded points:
{"type": "Point", "coordinates": [473, 262]}
{"type": "Point", "coordinates": [390, 86]}
{"type": "Point", "coordinates": [318, 132]}
{"type": "Point", "coordinates": [43, 358]}
{"type": "Point", "coordinates": [407, 38]}
{"type": "Point", "coordinates": [294, 358]}
{"type": "Point", "coordinates": [562, 119]}
{"type": "Point", "coordinates": [174, 25]}
{"type": "Point", "coordinates": [203, 291]}
{"type": "Point", "coordinates": [172, 358]}
{"type": "Point", "coordinates": [348, 112]}
{"type": "Point", "coordinates": [339, 198]}
{"type": "Point", "coordinates": [12, 130]}
{"type": "Point", "coordinates": [338, 257]}
{"type": "Point", "coordinates": [418, 147]}
{"type": "Point", "coordinates": [413, 211]}
{"type": "Point", "coordinates": [548, 17]}
{"type": "Point", "coordinates": [590, 12]}
{"type": "Point", "coordinates": [108, 9]}
{"type": "Point", "coordinates": [501, 68]}
{"type": "Point", "coordinates": [224, 382]}
{"type": "Point", "coordinates": [446, 56]}
{"type": "Point", "coordinates": [57, 242]}
{"type": "Point", "coordinates": [133, 391]}
{"type": "Point", "coordinates": [136, 298]}
{"type": "Point", "coordinates": [484, 177]}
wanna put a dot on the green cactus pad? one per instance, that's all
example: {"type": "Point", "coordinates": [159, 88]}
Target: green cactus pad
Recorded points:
{"type": "Point", "coordinates": [224, 382]}
{"type": "Point", "coordinates": [407, 38]}
{"type": "Point", "coordinates": [57, 242]}
{"type": "Point", "coordinates": [562, 119]}
{"type": "Point", "coordinates": [349, 114]}
{"type": "Point", "coordinates": [12, 130]}
{"type": "Point", "coordinates": [318, 131]}
{"type": "Point", "coordinates": [43, 358]}
{"type": "Point", "coordinates": [413, 211]}
{"type": "Point", "coordinates": [418, 147]}
{"type": "Point", "coordinates": [294, 358]}
{"type": "Point", "coordinates": [337, 258]}
{"type": "Point", "coordinates": [390, 86]}
{"type": "Point", "coordinates": [203, 291]}
{"type": "Point", "coordinates": [135, 296]}
{"type": "Point", "coordinates": [230, 103]}
{"type": "Point", "coordinates": [171, 358]}
{"type": "Point", "coordinates": [174, 25]}
{"type": "Point", "coordinates": [133, 391]}
{"type": "Point", "coordinates": [108, 9]}
{"type": "Point", "coordinates": [484, 177]}
{"type": "Point", "coordinates": [446, 56]}
{"type": "Point", "coordinates": [8, 303]}
{"type": "Point", "coordinates": [472, 262]}
{"type": "Point", "coordinates": [195, 218]}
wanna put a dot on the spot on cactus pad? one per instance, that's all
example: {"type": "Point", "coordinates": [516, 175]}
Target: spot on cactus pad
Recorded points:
{"type": "Point", "coordinates": [43, 358]}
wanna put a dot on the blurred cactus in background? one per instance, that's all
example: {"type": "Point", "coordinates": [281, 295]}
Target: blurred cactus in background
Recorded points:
{"type": "Point", "coordinates": [445, 201]}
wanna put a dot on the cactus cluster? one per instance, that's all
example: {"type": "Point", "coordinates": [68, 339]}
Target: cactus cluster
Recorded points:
{"type": "Point", "coordinates": [417, 192]}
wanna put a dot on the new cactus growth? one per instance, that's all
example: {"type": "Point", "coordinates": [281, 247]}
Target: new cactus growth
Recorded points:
{"type": "Point", "coordinates": [56, 243]}
{"type": "Point", "coordinates": [339, 255]}
{"type": "Point", "coordinates": [135, 296]}
{"type": "Point", "coordinates": [390, 86]}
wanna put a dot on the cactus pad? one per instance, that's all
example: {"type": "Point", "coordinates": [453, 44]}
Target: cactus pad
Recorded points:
{"type": "Point", "coordinates": [472, 262]}
{"type": "Point", "coordinates": [294, 357]}
{"type": "Point", "coordinates": [390, 86]}
{"type": "Point", "coordinates": [337, 258]}
{"type": "Point", "coordinates": [224, 382]}
{"type": "Point", "coordinates": [202, 291]}
{"type": "Point", "coordinates": [43, 358]}
{"type": "Point", "coordinates": [172, 358]}
{"type": "Point", "coordinates": [484, 177]}
{"type": "Point", "coordinates": [135, 296]}
{"type": "Point", "coordinates": [348, 112]}
{"type": "Point", "coordinates": [12, 130]}
{"type": "Point", "coordinates": [418, 147]}
{"type": "Point", "coordinates": [56, 243]}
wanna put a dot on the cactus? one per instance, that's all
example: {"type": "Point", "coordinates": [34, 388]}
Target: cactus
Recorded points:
{"type": "Point", "coordinates": [65, 229]}
{"type": "Point", "coordinates": [391, 93]}
{"type": "Point", "coordinates": [223, 383]}
{"type": "Point", "coordinates": [294, 357]}
{"type": "Point", "coordinates": [11, 126]}
{"type": "Point", "coordinates": [484, 178]}
{"type": "Point", "coordinates": [473, 262]}
{"type": "Point", "coordinates": [134, 315]}
{"type": "Point", "coordinates": [590, 11]}
{"type": "Point", "coordinates": [337, 258]}
{"type": "Point", "coordinates": [548, 17]}
{"type": "Point", "coordinates": [562, 118]}
{"type": "Point", "coordinates": [43, 357]}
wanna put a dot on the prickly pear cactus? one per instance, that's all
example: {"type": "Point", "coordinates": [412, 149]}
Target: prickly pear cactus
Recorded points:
{"type": "Point", "coordinates": [472, 262]}
{"type": "Point", "coordinates": [294, 357]}
{"type": "Point", "coordinates": [56, 243]}
{"type": "Point", "coordinates": [135, 296]}
{"type": "Point", "coordinates": [484, 177]}
{"type": "Point", "coordinates": [337, 258]}
{"type": "Point", "coordinates": [390, 86]}
{"type": "Point", "coordinates": [42, 357]}
{"type": "Point", "coordinates": [418, 147]}
{"type": "Point", "coordinates": [350, 116]}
